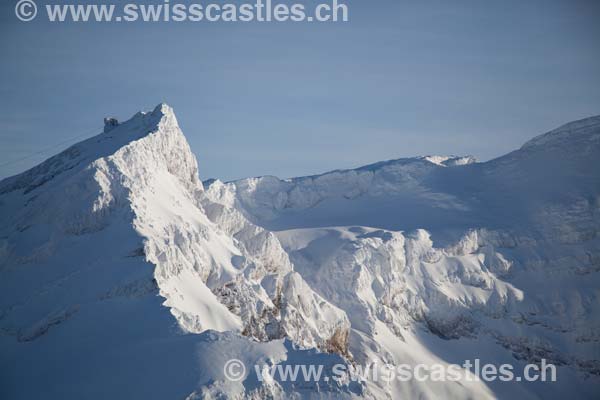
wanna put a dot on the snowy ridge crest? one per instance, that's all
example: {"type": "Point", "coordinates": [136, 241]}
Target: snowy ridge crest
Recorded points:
{"type": "Point", "coordinates": [586, 129]}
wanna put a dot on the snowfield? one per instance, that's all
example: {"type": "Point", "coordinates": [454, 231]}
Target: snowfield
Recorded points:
{"type": "Point", "coordinates": [122, 275]}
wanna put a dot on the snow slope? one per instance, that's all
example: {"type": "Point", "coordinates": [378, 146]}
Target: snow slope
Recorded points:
{"type": "Point", "coordinates": [121, 275]}
{"type": "Point", "coordinates": [89, 239]}
{"type": "Point", "coordinates": [506, 252]}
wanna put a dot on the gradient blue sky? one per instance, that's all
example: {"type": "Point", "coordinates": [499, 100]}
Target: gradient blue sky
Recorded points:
{"type": "Point", "coordinates": [402, 78]}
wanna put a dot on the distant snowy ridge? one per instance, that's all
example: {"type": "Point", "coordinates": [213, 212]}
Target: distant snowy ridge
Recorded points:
{"type": "Point", "coordinates": [586, 129]}
{"type": "Point", "coordinates": [265, 196]}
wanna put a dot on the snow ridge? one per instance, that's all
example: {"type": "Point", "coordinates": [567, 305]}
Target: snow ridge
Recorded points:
{"type": "Point", "coordinates": [586, 128]}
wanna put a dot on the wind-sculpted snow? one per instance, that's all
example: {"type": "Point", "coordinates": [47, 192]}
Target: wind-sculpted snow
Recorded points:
{"type": "Point", "coordinates": [382, 275]}
{"type": "Point", "coordinates": [121, 276]}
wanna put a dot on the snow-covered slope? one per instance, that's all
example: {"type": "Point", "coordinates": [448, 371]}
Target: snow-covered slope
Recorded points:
{"type": "Point", "coordinates": [506, 251]}
{"type": "Point", "coordinates": [89, 239]}
{"type": "Point", "coordinates": [122, 276]}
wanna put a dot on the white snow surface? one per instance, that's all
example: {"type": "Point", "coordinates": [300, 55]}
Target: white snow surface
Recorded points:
{"type": "Point", "coordinates": [122, 276]}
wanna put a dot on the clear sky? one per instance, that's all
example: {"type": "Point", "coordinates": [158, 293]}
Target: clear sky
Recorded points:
{"type": "Point", "coordinates": [402, 78]}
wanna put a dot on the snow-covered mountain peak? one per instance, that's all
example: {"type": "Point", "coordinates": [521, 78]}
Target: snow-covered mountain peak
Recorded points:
{"type": "Point", "coordinates": [121, 220]}
{"type": "Point", "coordinates": [113, 252]}
{"type": "Point", "coordinates": [450, 161]}
{"type": "Point", "coordinates": [160, 121]}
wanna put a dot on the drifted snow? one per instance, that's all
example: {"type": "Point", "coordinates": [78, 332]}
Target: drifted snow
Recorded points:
{"type": "Point", "coordinates": [122, 276]}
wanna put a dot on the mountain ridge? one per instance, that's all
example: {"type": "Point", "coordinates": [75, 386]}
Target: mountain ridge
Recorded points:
{"type": "Point", "coordinates": [115, 251]}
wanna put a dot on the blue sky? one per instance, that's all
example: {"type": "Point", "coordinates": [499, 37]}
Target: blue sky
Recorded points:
{"type": "Point", "coordinates": [402, 78]}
